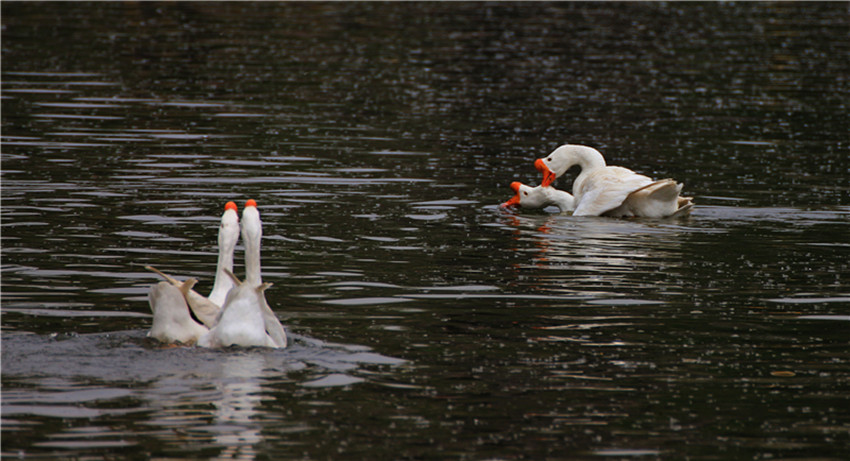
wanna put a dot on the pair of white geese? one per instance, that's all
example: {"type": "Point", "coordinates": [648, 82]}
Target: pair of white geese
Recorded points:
{"type": "Point", "coordinates": [236, 312]}
{"type": "Point", "coordinates": [600, 190]}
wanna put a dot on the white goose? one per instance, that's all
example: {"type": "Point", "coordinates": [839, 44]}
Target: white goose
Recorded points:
{"type": "Point", "coordinates": [172, 321]}
{"type": "Point", "coordinates": [539, 197]}
{"type": "Point", "coordinates": [602, 190]}
{"type": "Point", "coordinates": [246, 318]}
{"type": "Point", "coordinates": [207, 309]}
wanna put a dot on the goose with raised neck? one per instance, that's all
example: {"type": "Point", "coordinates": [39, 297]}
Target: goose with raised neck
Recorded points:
{"type": "Point", "coordinates": [228, 235]}
{"type": "Point", "coordinates": [246, 301]}
{"type": "Point", "coordinates": [207, 309]}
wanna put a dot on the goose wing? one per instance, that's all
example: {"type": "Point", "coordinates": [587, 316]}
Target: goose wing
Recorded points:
{"type": "Point", "coordinates": [205, 310]}
{"type": "Point", "coordinates": [606, 189]}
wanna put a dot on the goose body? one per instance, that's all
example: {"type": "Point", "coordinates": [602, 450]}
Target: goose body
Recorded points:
{"type": "Point", "coordinates": [241, 322]}
{"type": "Point", "coordinates": [539, 197]}
{"type": "Point", "coordinates": [204, 310]}
{"type": "Point", "coordinates": [172, 321]}
{"type": "Point", "coordinates": [602, 190]}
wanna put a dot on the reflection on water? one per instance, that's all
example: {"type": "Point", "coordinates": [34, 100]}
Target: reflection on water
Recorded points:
{"type": "Point", "coordinates": [235, 410]}
{"type": "Point", "coordinates": [188, 395]}
{"type": "Point", "coordinates": [378, 140]}
{"type": "Point", "coordinates": [596, 257]}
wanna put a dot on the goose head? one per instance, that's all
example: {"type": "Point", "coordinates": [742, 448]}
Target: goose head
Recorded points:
{"type": "Point", "coordinates": [228, 232]}
{"type": "Point", "coordinates": [563, 158]}
{"type": "Point", "coordinates": [525, 196]}
{"type": "Point", "coordinates": [252, 227]}
{"type": "Point", "coordinates": [539, 197]}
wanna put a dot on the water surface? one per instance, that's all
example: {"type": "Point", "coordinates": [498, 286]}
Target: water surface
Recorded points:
{"type": "Point", "coordinates": [378, 140]}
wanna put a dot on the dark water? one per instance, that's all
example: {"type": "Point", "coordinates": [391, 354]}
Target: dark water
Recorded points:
{"type": "Point", "coordinates": [378, 140]}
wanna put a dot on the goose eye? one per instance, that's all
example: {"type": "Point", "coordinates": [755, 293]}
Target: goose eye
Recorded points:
{"type": "Point", "coordinates": [549, 159]}
{"type": "Point", "coordinates": [525, 193]}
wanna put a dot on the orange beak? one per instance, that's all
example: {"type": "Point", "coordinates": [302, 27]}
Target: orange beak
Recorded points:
{"type": "Point", "coordinates": [548, 176]}
{"type": "Point", "coordinates": [514, 201]}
